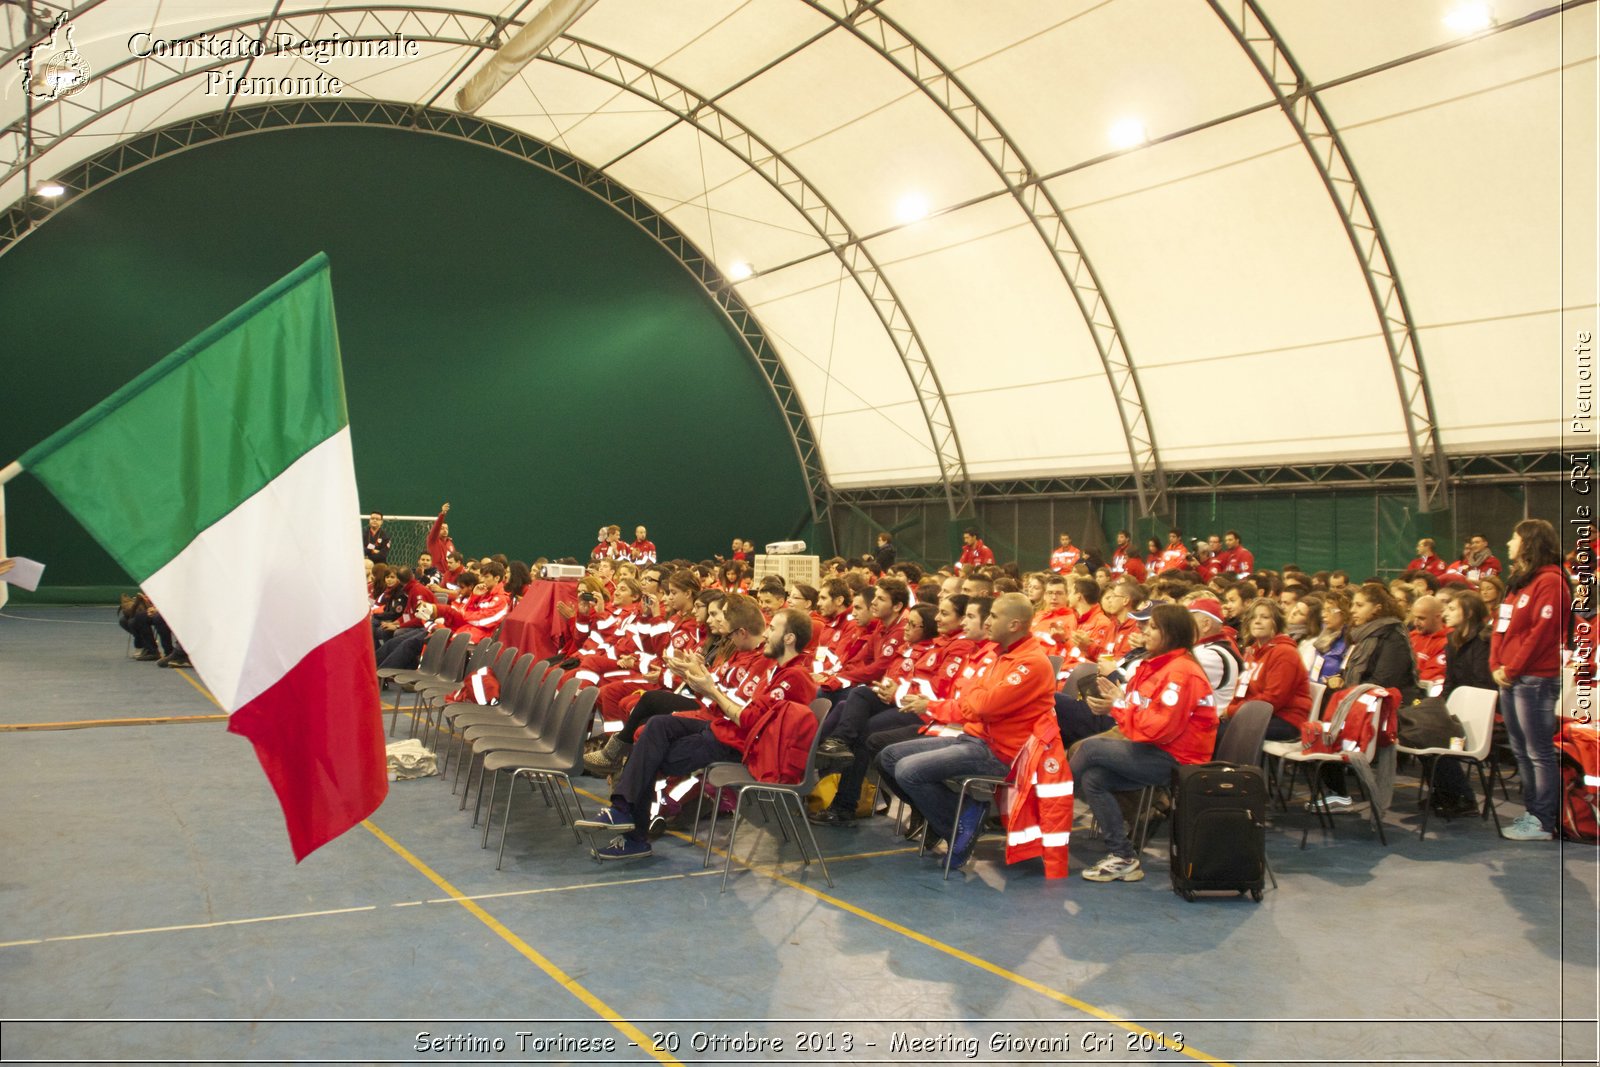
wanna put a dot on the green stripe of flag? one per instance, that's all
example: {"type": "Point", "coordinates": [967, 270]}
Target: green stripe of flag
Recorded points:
{"type": "Point", "coordinates": [182, 445]}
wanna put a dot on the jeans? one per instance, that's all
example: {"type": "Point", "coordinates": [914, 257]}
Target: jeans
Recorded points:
{"type": "Point", "coordinates": [1105, 766]}
{"type": "Point", "coordinates": [1528, 706]}
{"type": "Point", "coordinates": [851, 779]}
{"type": "Point", "coordinates": [671, 745]}
{"type": "Point", "coordinates": [848, 719]}
{"type": "Point", "coordinates": [916, 771]}
{"type": "Point", "coordinates": [1078, 720]}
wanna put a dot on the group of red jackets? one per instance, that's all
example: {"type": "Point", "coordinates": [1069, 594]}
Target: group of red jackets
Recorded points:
{"type": "Point", "coordinates": [1472, 572]}
{"type": "Point", "coordinates": [640, 552]}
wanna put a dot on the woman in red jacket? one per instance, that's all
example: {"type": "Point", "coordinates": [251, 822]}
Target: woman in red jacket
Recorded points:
{"type": "Point", "coordinates": [1274, 672]}
{"type": "Point", "coordinates": [1525, 662]}
{"type": "Point", "coordinates": [1165, 717]}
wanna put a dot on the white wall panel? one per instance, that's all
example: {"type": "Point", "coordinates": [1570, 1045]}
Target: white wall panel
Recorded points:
{"type": "Point", "coordinates": [1171, 66]}
{"type": "Point", "coordinates": [1207, 260]}
{"type": "Point", "coordinates": [1333, 40]}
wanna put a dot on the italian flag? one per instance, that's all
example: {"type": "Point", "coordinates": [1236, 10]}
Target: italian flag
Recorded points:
{"type": "Point", "coordinates": [222, 480]}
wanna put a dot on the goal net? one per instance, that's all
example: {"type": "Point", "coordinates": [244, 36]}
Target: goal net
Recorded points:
{"type": "Point", "coordinates": [408, 536]}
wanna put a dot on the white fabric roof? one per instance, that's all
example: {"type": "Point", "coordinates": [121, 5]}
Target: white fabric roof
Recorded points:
{"type": "Point", "coordinates": [1241, 303]}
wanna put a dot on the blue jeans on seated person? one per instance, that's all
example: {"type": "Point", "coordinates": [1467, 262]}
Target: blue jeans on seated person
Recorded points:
{"type": "Point", "coordinates": [1104, 766]}
{"type": "Point", "coordinates": [1078, 720]}
{"type": "Point", "coordinates": [666, 745]}
{"type": "Point", "coordinates": [916, 771]}
{"type": "Point", "coordinates": [853, 777]}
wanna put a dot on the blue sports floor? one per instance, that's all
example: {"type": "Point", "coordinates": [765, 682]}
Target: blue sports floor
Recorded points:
{"type": "Point", "coordinates": [150, 912]}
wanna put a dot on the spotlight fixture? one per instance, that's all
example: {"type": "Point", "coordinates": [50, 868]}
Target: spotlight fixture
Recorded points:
{"type": "Point", "coordinates": [739, 270]}
{"type": "Point", "coordinates": [913, 207]}
{"type": "Point", "coordinates": [1467, 18]}
{"type": "Point", "coordinates": [1127, 133]}
{"type": "Point", "coordinates": [51, 190]}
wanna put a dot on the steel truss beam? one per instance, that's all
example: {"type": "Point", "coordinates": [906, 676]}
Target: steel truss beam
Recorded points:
{"type": "Point", "coordinates": [942, 86]}
{"type": "Point", "coordinates": [705, 115]}
{"type": "Point", "coordinates": [1481, 469]}
{"type": "Point", "coordinates": [1301, 105]}
{"type": "Point", "coordinates": [134, 78]}
{"type": "Point", "coordinates": [147, 148]}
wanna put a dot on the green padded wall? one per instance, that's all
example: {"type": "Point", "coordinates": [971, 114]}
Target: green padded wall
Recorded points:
{"type": "Point", "coordinates": [511, 344]}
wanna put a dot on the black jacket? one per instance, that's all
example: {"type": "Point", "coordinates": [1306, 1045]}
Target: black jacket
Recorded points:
{"type": "Point", "coordinates": [1381, 654]}
{"type": "Point", "coordinates": [1467, 665]}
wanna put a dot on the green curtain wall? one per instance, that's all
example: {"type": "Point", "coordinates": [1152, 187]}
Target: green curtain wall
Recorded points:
{"type": "Point", "coordinates": [510, 343]}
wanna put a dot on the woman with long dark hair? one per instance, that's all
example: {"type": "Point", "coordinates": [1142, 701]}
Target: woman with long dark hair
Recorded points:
{"type": "Point", "coordinates": [1166, 716]}
{"type": "Point", "coordinates": [1466, 663]}
{"type": "Point", "coordinates": [1525, 662]}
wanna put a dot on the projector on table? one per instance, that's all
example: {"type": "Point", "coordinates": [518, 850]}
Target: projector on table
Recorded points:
{"type": "Point", "coordinates": [786, 548]}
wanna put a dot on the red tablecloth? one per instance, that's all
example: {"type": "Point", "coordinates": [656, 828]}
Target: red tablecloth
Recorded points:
{"type": "Point", "coordinates": [534, 625]}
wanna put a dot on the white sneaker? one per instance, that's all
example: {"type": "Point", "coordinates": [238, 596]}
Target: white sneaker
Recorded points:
{"type": "Point", "coordinates": [1526, 828]}
{"type": "Point", "coordinates": [1115, 869]}
{"type": "Point", "coordinates": [1331, 800]}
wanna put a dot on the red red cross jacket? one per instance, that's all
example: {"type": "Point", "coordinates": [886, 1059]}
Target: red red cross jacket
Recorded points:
{"type": "Point", "coordinates": [977, 663]}
{"type": "Point", "coordinates": [1038, 801]}
{"type": "Point", "coordinates": [1531, 624]}
{"type": "Point", "coordinates": [882, 647]}
{"type": "Point", "coordinates": [1168, 704]}
{"type": "Point", "coordinates": [1062, 560]}
{"type": "Point", "coordinates": [479, 616]}
{"type": "Point", "coordinates": [1240, 562]}
{"type": "Point", "coordinates": [1432, 564]}
{"type": "Point", "coordinates": [1429, 650]}
{"type": "Point", "coordinates": [642, 552]}
{"type": "Point", "coordinates": [1273, 672]}
{"type": "Point", "coordinates": [777, 684]}
{"type": "Point", "coordinates": [439, 547]}
{"type": "Point", "coordinates": [780, 741]}
{"type": "Point", "coordinates": [976, 554]}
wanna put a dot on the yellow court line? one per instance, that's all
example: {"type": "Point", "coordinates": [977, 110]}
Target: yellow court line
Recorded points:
{"type": "Point", "coordinates": [965, 957]}
{"type": "Point", "coordinates": [85, 724]}
{"type": "Point", "coordinates": [566, 981]}
{"type": "Point", "coordinates": [203, 691]}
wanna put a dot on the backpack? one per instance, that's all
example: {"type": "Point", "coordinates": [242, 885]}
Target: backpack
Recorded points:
{"type": "Point", "coordinates": [1350, 726]}
{"type": "Point", "coordinates": [1429, 724]}
{"type": "Point", "coordinates": [1579, 746]}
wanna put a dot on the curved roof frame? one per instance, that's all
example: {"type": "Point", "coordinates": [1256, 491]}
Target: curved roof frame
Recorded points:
{"type": "Point", "coordinates": [67, 115]}
{"type": "Point", "coordinates": [688, 106]}
{"type": "Point", "coordinates": [143, 149]}
{"type": "Point", "coordinates": [1301, 105]}
{"type": "Point", "coordinates": [941, 85]}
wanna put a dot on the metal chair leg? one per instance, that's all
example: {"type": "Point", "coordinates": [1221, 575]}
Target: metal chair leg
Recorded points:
{"type": "Point", "coordinates": [800, 806]}
{"type": "Point", "coordinates": [727, 863]}
{"type": "Point", "coordinates": [488, 815]}
{"type": "Point", "coordinates": [505, 822]}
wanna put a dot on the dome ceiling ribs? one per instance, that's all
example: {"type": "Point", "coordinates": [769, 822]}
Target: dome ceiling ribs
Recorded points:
{"type": "Point", "coordinates": [1300, 104]}
{"type": "Point", "coordinates": [946, 90]}
{"type": "Point", "coordinates": [704, 115]}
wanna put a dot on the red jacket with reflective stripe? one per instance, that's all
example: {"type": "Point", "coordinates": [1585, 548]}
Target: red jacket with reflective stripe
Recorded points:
{"type": "Point", "coordinates": [1038, 802]}
{"type": "Point", "coordinates": [1168, 704]}
{"type": "Point", "coordinates": [1531, 625]}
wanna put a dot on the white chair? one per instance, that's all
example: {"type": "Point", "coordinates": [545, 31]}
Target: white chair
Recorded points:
{"type": "Point", "coordinates": [1475, 708]}
{"type": "Point", "coordinates": [1359, 761]}
{"type": "Point", "coordinates": [1276, 750]}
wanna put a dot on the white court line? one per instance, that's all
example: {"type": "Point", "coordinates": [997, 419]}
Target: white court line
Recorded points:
{"type": "Point", "coordinates": [187, 926]}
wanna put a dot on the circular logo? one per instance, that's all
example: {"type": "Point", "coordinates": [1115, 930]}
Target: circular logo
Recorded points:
{"type": "Point", "coordinates": [1052, 766]}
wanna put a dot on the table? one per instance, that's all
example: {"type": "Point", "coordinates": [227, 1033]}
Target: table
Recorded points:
{"type": "Point", "coordinates": [534, 625]}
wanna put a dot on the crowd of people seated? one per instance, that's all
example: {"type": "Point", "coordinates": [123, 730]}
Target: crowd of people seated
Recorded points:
{"type": "Point", "coordinates": [964, 670]}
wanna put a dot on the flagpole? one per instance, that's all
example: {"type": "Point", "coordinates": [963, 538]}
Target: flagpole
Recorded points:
{"type": "Point", "coordinates": [10, 471]}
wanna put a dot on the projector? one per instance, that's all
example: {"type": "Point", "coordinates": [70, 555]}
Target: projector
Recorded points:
{"type": "Point", "coordinates": [563, 570]}
{"type": "Point", "coordinates": [786, 548]}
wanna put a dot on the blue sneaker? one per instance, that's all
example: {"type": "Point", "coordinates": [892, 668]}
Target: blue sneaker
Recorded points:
{"type": "Point", "coordinates": [624, 848]}
{"type": "Point", "coordinates": [965, 837]}
{"type": "Point", "coordinates": [606, 819]}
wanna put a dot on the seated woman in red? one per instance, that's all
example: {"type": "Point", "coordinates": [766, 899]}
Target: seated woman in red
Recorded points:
{"type": "Point", "coordinates": [1166, 716]}
{"type": "Point", "coordinates": [1273, 671]}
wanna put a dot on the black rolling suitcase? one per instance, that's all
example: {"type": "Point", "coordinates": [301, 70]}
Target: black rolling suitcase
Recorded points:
{"type": "Point", "coordinates": [1219, 829]}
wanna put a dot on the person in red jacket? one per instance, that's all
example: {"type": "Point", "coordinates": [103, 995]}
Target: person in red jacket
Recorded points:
{"type": "Point", "coordinates": [643, 550]}
{"type": "Point", "coordinates": [998, 715]}
{"type": "Point", "coordinates": [678, 745]}
{"type": "Point", "coordinates": [1428, 559]}
{"type": "Point", "coordinates": [440, 546]}
{"type": "Point", "coordinates": [1166, 716]}
{"type": "Point", "coordinates": [974, 552]}
{"type": "Point", "coordinates": [885, 636]}
{"type": "Point", "coordinates": [1525, 662]}
{"type": "Point", "coordinates": [1476, 560]}
{"type": "Point", "coordinates": [1066, 556]}
{"type": "Point", "coordinates": [1174, 557]}
{"type": "Point", "coordinates": [1428, 639]}
{"type": "Point", "coordinates": [1272, 672]}
{"type": "Point", "coordinates": [1238, 561]}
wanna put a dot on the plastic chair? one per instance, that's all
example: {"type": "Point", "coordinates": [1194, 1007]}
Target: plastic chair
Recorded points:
{"type": "Point", "coordinates": [737, 777]}
{"type": "Point", "coordinates": [534, 737]}
{"type": "Point", "coordinates": [552, 770]}
{"type": "Point", "coordinates": [1475, 708]}
{"type": "Point", "coordinates": [974, 785]}
{"type": "Point", "coordinates": [1276, 750]}
{"type": "Point", "coordinates": [511, 668]}
{"type": "Point", "coordinates": [1246, 734]}
{"type": "Point", "coordinates": [432, 657]}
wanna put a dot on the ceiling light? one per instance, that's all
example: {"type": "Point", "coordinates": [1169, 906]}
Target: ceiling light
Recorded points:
{"type": "Point", "coordinates": [1127, 133]}
{"type": "Point", "coordinates": [739, 270]}
{"type": "Point", "coordinates": [1470, 18]}
{"type": "Point", "coordinates": [52, 189]}
{"type": "Point", "coordinates": [913, 207]}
